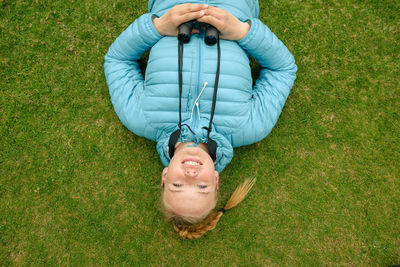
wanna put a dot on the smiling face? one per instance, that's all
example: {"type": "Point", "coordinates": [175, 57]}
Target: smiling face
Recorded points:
{"type": "Point", "coordinates": [190, 182]}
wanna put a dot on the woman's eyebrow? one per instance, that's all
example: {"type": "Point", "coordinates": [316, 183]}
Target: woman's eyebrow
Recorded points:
{"type": "Point", "coordinates": [174, 190]}
{"type": "Point", "coordinates": [200, 192]}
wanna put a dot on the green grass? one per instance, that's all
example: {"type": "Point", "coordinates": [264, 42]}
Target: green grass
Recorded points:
{"type": "Point", "coordinates": [77, 188]}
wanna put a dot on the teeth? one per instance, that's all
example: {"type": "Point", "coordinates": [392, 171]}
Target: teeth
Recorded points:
{"type": "Point", "coordinates": [192, 163]}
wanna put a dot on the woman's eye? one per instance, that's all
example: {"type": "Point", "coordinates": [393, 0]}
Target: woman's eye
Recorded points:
{"type": "Point", "coordinates": [177, 185]}
{"type": "Point", "coordinates": [202, 186]}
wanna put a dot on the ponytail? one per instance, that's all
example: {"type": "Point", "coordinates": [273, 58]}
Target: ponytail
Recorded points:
{"type": "Point", "coordinates": [197, 230]}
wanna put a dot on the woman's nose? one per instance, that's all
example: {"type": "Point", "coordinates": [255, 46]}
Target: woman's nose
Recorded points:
{"type": "Point", "coordinates": [191, 172]}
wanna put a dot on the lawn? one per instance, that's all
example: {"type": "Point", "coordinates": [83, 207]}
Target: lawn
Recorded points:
{"type": "Point", "coordinates": [77, 188]}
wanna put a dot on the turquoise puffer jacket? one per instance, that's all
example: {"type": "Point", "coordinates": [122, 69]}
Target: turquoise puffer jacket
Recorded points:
{"type": "Point", "coordinates": [244, 114]}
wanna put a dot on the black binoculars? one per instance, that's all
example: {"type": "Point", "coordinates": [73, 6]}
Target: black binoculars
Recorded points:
{"type": "Point", "coordinates": [185, 31]}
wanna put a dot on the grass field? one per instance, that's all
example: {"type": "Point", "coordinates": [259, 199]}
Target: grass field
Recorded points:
{"type": "Point", "coordinates": [77, 188]}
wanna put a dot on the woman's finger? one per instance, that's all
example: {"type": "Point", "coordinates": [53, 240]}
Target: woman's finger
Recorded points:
{"type": "Point", "coordinates": [215, 12]}
{"type": "Point", "coordinates": [190, 16]}
{"type": "Point", "coordinates": [212, 21]}
{"type": "Point", "coordinates": [188, 8]}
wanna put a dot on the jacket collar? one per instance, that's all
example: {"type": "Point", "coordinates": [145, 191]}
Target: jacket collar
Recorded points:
{"type": "Point", "coordinates": [224, 147]}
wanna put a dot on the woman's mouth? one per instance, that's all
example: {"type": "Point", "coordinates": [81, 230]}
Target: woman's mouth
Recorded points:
{"type": "Point", "coordinates": [192, 162]}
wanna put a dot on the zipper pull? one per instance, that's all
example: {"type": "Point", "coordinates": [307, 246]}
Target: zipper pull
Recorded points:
{"type": "Point", "coordinates": [204, 85]}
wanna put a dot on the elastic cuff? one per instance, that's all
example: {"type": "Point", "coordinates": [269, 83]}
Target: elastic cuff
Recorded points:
{"type": "Point", "coordinates": [150, 26]}
{"type": "Point", "coordinates": [250, 35]}
{"type": "Point", "coordinates": [153, 16]}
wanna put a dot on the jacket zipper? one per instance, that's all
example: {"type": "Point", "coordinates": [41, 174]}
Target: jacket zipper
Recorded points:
{"type": "Point", "coordinates": [201, 37]}
{"type": "Point", "coordinates": [196, 121]}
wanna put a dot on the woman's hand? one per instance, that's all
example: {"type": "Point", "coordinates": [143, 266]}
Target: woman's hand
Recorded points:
{"type": "Point", "coordinates": [168, 23]}
{"type": "Point", "coordinates": [228, 25]}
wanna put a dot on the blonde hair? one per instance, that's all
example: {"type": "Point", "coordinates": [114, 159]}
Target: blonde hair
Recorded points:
{"type": "Point", "coordinates": [194, 227]}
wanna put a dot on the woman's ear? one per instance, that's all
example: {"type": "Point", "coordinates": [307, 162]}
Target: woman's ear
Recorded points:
{"type": "Point", "coordinates": [164, 176]}
{"type": "Point", "coordinates": [217, 179]}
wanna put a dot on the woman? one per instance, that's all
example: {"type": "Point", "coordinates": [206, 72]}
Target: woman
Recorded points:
{"type": "Point", "coordinates": [197, 102]}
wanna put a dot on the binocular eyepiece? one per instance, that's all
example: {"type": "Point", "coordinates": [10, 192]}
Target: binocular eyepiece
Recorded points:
{"type": "Point", "coordinates": [185, 32]}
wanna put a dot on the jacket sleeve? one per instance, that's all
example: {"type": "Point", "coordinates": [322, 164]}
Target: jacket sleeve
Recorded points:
{"type": "Point", "coordinates": [124, 77]}
{"type": "Point", "coordinates": [276, 78]}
